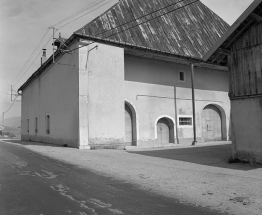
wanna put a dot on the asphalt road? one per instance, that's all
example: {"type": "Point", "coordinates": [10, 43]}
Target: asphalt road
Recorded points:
{"type": "Point", "coordinates": [31, 184]}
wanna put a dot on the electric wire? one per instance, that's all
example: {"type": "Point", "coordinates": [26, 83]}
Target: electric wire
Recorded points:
{"type": "Point", "coordinates": [9, 107]}
{"type": "Point", "coordinates": [36, 57]}
{"type": "Point", "coordinates": [85, 14]}
{"type": "Point", "coordinates": [28, 60]}
{"type": "Point", "coordinates": [97, 35]}
{"type": "Point", "coordinates": [77, 13]}
{"type": "Point", "coordinates": [155, 11]}
{"type": "Point", "coordinates": [133, 25]}
{"type": "Point", "coordinates": [141, 22]}
{"type": "Point", "coordinates": [15, 81]}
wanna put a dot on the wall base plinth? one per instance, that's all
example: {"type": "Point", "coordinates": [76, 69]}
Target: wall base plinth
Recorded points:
{"type": "Point", "coordinates": [84, 147]}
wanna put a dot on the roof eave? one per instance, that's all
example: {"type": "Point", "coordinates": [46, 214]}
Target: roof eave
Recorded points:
{"type": "Point", "coordinates": [125, 45]}
{"type": "Point", "coordinates": [45, 64]}
{"type": "Point", "coordinates": [232, 29]}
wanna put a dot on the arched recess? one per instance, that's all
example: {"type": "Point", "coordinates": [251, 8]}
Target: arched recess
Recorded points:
{"type": "Point", "coordinates": [131, 124]}
{"type": "Point", "coordinates": [214, 123]}
{"type": "Point", "coordinates": [165, 129]}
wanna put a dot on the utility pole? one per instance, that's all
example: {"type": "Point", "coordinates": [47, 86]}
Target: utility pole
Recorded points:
{"type": "Point", "coordinates": [53, 42]}
{"type": "Point", "coordinates": [193, 103]}
{"type": "Point", "coordinates": [13, 94]}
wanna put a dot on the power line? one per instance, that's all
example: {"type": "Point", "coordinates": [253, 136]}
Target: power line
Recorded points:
{"type": "Point", "coordinates": [11, 105]}
{"type": "Point", "coordinates": [75, 14]}
{"type": "Point", "coordinates": [17, 79]}
{"type": "Point", "coordinates": [146, 16]}
{"type": "Point", "coordinates": [135, 25]}
{"type": "Point", "coordinates": [28, 60]}
{"type": "Point", "coordinates": [33, 61]}
{"type": "Point", "coordinates": [84, 14]}
{"type": "Point", "coordinates": [3, 116]}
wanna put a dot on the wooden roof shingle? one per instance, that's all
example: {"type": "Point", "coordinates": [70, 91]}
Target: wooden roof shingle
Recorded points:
{"type": "Point", "coordinates": [185, 28]}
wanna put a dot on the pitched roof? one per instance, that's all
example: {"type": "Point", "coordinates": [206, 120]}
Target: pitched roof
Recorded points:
{"type": "Point", "coordinates": [218, 53]}
{"type": "Point", "coordinates": [184, 28]}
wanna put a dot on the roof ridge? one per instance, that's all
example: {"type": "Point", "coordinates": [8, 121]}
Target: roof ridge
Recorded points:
{"type": "Point", "coordinates": [93, 20]}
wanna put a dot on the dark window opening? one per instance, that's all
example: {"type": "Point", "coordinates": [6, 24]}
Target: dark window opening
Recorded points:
{"type": "Point", "coordinates": [48, 124]}
{"type": "Point", "coordinates": [182, 76]}
{"type": "Point", "coordinates": [185, 121]}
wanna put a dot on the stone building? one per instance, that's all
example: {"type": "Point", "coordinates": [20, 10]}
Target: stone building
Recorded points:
{"type": "Point", "coordinates": [125, 79]}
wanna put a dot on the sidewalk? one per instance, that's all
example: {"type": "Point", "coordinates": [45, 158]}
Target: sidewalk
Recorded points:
{"type": "Point", "coordinates": [197, 175]}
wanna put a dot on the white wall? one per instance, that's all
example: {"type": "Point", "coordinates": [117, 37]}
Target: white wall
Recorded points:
{"type": "Point", "coordinates": [54, 92]}
{"type": "Point", "coordinates": [154, 89]}
{"type": "Point", "coordinates": [102, 94]}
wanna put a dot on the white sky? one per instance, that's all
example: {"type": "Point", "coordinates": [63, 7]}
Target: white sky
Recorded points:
{"type": "Point", "coordinates": [24, 22]}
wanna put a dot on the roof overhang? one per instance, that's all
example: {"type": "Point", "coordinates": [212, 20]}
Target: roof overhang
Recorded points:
{"type": "Point", "coordinates": [129, 48]}
{"type": "Point", "coordinates": [57, 54]}
{"type": "Point", "coordinates": [218, 53]}
{"type": "Point", "coordinates": [153, 54]}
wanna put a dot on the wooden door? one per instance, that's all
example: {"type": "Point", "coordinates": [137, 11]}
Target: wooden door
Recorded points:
{"type": "Point", "coordinates": [163, 131]}
{"type": "Point", "coordinates": [211, 124]}
{"type": "Point", "coordinates": [128, 125]}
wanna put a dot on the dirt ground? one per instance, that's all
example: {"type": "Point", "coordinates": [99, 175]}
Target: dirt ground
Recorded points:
{"type": "Point", "coordinates": [198, 175]}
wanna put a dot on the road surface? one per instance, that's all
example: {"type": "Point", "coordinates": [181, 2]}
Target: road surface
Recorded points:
{"type": "Point", "coordinates": [31, 184]}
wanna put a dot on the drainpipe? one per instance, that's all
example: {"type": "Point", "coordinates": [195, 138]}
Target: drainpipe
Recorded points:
{"type": "Point", "coordinates": [193, 103]}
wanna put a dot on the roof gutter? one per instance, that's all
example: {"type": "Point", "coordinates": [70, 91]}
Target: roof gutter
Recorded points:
{"type": "Point", "coordinates": [130, 46]}
{"type": "Point", "coordinates": [190, 60]}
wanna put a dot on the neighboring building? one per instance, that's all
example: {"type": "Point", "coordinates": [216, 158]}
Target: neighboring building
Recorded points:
{"type": "Point", "coordinates": [243, 42]}
{"type": "Point", "coordinates": [131, 85]}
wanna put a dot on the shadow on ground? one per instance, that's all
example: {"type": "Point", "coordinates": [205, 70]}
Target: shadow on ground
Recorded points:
{"type": "Point", "coordinates": [216, 156]}
{"type": "Point", "coordinates": [28, 143]}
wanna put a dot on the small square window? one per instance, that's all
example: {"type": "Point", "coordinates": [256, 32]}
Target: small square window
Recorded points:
{"type": "Point", "coordinates": [182, 76]}
{"type": "Point", "coordinates": [186, 121]}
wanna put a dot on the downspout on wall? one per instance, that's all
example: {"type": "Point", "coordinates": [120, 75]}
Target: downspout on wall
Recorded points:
{"type": "Point", "coordinates": [193, 103]}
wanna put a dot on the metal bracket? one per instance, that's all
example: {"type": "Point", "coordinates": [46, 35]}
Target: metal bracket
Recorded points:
{"type": "Point", "coordinates": [96, 47]}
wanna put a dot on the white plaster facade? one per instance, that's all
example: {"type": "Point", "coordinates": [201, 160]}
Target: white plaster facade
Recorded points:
{"type": "Point", "coordinates": [86, 100]}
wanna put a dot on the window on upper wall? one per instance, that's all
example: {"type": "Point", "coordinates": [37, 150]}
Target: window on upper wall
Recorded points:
{"type": "Point", "coordinates": [36, 125]}
{"type": "Point", "coordinates": [27, 125]}
{"type": "Point", "coordinates": [185, 121]}
{"type": "Point", "coordinates": [48, 123]}
{"type": "Point", "coordinates": [181, 76]}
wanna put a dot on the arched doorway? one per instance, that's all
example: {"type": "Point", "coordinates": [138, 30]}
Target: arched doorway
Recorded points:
{"type": "Point", "coordinates": [211, 124]}
{"type": "Point", "coordinates": [130, 125]}
{"type": "Point", "coordinates": [165, 131]}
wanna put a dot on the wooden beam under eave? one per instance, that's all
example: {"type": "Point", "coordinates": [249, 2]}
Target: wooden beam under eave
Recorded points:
{"type": "Point", "coordinates": [224, 51]}
{"type": "Point", "coordinates": [256, 17]}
